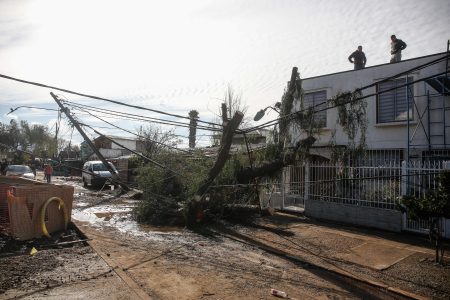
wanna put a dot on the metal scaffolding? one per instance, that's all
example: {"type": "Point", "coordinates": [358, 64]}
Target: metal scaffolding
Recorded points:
{"type": "Point", "coordinates": [433, 120]}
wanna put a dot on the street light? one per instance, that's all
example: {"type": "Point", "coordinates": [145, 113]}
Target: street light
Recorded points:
{"type": "Point", "coordinates": [262, 112]}
{"type": "Point", "coordinates": [14, 109]}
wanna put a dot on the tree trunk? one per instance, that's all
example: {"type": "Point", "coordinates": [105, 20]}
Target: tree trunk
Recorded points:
{"type": "Point", "coordinates": [192, 132]}
{"type": "Point", "coordinates": [268, 169]}
{"type": "Point", "coordinates": [222, 157]}
{"type": "Point", "coordinates": [434, 234]}
{"type": "Point", "coordinates": [193, 116]}
{"type": "Point", "coordinates": [286, 107]}
{"type": "Point", "coordinates": [194, 211]}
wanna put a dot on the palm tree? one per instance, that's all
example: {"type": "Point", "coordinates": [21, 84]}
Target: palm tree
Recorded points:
{"type": "Point", "coordinates": [193, 116]}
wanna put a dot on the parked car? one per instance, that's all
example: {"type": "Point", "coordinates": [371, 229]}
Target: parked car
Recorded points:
{"type": "Point", "coordinates": [20, 171]}
{"type": "Point", "coordinates": [96, 173]}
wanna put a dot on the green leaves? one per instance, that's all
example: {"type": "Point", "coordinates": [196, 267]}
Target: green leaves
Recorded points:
{"type": "Point", "coordinates": [435, 204]}
{"type": "Point", "coordinates": [36, 138]}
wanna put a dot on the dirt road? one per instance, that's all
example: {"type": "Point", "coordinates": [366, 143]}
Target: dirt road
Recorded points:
{"type": "Point", "coordinates": [227, 260]}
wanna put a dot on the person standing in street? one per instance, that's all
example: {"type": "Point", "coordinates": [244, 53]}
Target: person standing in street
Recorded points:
{"type": "Point", "coordinates": [48, 171]}
{"type": "Point", "coordinates": [3, 167]}
{"type": "Point", "coordinates": [397, 45]}
{"type": "Point", "coordinates": [358, 58]}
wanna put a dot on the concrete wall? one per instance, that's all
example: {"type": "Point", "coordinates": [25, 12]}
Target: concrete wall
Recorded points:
{"type": "Point", "coordinates": [384, 135]}
{"type": "Point", "coordinates": [130, 144]}
{"type": "Point", "coordinates": [357, 215]}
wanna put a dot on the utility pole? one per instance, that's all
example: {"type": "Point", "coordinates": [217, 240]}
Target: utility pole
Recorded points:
{"type": "Point", "coordinates": [137, 153]}
{"type": "Point", "coordinates": [66, 111]}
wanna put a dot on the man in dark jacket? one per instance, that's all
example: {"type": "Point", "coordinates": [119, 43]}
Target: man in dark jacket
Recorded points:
{"type": "Point", "coordinates": [397, 45]}
{"type": "Point", "coordinates": [358, 58]}
{"type": "Point", "coordinates": [3, 166]}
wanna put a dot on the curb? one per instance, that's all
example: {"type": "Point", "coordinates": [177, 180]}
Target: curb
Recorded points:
{"type": "Point", "coordinates": [393, 290]}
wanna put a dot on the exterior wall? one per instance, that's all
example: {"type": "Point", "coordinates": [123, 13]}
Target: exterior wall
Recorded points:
{"type": "Point", "coordinates": [105, 143]}
{"type": "Point", "coordinates": [385, 135]}
{"type": "Point", "coordinates": [130, 144]}
{"type": "Point", "coordinates": [102, 142]}
{"type": "Point", "coordinates": [107, 153]}
{"type": "Point", "coordinates": [260, 137]}
{"type": "Point", "coordinates": [358, 215]}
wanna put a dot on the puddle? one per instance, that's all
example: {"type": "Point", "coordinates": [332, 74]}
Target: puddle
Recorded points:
{"type": "Point", "coordinates": [105, 215]}
{"type": "Point", "coordinates": [150, 228]}
{"type": "Point", "coordinates": [121, 219]}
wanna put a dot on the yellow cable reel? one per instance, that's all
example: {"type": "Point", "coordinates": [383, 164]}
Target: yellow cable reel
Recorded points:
{"type": "Point", "coordinates": [44, 209]}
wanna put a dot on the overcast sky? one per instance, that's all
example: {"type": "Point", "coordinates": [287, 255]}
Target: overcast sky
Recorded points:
{"type": "Point", "coordinates": [178, 55]}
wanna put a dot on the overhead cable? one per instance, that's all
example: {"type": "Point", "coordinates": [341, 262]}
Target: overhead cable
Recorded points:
{"type": "Point", "coordinates": [103, 99]}
{"type": "Point", "coordinates": [128, 116]}
{"type": "Point", "coordinates": [135, 134]}
{"type": "Point", "coordinates": [291, 115]}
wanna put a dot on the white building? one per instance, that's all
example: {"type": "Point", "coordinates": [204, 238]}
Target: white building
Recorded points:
{"type": "Point", "coordinates": [110, 149]}
{"type": "Point", "coordinates": [390, 133]}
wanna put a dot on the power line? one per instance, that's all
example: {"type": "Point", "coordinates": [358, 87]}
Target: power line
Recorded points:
{"type": "Point", "coordinates": [103, 99]}
{"type": "Point", "coordinates": [128, 116]}
{"type": "Point", "coordinates": [136, 153]}
{"type": "Point", "coordinates": [177, 135]}
{"type": "Point", "coordinates": [290, 115]}
{"type": "Point", "coordinates": [345, 179]}
{"type": "Point", "coordinates": [293, 115]}
{"type": "Point", "coordinates": [135, 134]}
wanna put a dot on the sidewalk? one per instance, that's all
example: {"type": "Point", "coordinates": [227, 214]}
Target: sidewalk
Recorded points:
{"type": "Point", "coordinates": [402, 261]}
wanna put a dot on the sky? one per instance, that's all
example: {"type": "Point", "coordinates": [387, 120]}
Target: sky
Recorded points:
{"type": "Point", "coordinates": [178, 55]}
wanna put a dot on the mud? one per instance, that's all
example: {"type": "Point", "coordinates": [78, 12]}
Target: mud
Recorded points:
{"type": "Point", "coordinates": [219, 261]}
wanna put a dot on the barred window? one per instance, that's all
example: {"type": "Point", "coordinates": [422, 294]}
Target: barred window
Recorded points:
{"type": "Point", "coordinates": [318, 98]}
{"type": "Point", "coordinates": [392, 106]}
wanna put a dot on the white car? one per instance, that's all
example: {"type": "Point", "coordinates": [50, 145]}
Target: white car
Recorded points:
{"type": "Point", "coordinates": [20, 171]}
{"type": "Point", "coordinates": [96, 173]}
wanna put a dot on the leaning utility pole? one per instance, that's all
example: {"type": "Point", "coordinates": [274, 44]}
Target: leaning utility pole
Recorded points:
{"type": "Point", "coordinates": [66, 111]}
{"type": "Point", "coordinates": [137, 153]}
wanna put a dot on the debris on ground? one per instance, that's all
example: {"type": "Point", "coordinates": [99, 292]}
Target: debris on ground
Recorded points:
{"type": "Point", "coordinates": [214, 261]}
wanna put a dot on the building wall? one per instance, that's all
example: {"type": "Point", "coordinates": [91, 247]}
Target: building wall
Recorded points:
{"type": "Point", "coordinates": [104, 143]}
{"type": "Point", "coordinates": [130, 144]}
{"type": "Point", "coordinates": [386, 135]}
{"type": "Point", "coordinates": [358, 215]}
{"type": "Point", "coordinates": [107, 153]}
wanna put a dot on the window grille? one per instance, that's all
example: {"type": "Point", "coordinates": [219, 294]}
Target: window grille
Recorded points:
{"type": "Point", "coordinates": [315, 98]}
{"type": "Point", "coordinates": [392, 106]}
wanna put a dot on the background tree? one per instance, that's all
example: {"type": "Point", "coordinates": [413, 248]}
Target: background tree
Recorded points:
{"type": "Point", "coordinates": [232, 103]}
{"type": "Point", "coordinates": [193, 116]}
{"type": "Point", "coordinates": [235, 103]}
{"type": "Point", "coordinates": [434, 206]}
{"type": "Point", "coordinates": [153, 140]}
{"type": "Point", "coordinates": [35, 138]}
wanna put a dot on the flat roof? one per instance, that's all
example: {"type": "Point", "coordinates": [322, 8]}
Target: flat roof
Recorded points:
{"type": "Point", "coordinates": [420, 57]}
{"type": "Point", "coordinates": [116, 137]}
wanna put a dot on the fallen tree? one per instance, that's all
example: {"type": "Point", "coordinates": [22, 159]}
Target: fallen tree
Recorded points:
{"type": "Point", "coordinates": [245, 176]}
{"type": "Point", "coordinates": [193, 197]}
{"type": "Point", "coordinates": [194, 212]}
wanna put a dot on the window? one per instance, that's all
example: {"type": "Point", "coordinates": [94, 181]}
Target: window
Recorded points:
{"type": "Point", "coordinates": [392, 106]}
{"type": "Point", "coordinates": [317, 98]}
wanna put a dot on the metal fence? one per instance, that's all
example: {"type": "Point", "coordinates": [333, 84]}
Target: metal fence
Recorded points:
{"type": "Point", "coordinates": [373, 186]}
{"type": "Point", "coordinates": [366, 186]}
{"type": "Point", "coordinates": [421, 178]}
